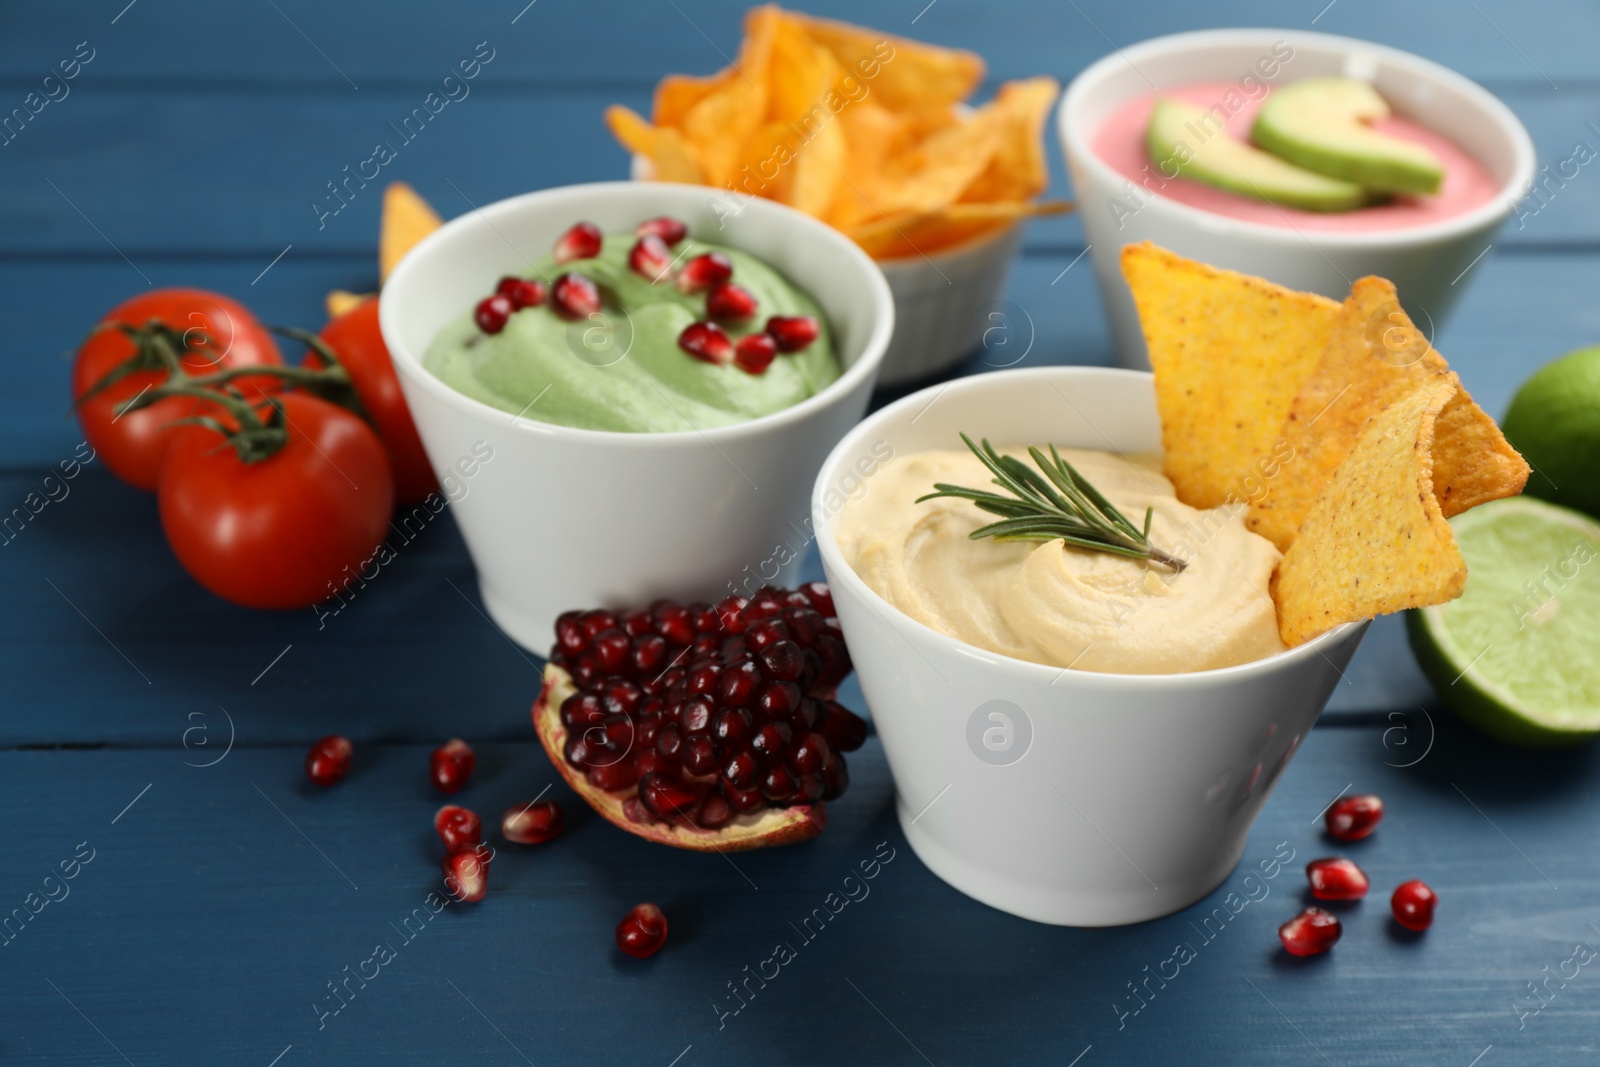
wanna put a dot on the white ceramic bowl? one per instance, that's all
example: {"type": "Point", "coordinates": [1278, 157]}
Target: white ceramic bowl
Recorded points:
{"type": "Point", "coordinates": [1066, 797]}
{"type": "Point", "coordinates": [564, 518]}
{"type": "Point", "coordinates": [1424, 262]}
{"type": "Point", "coordinates": [944, 302]}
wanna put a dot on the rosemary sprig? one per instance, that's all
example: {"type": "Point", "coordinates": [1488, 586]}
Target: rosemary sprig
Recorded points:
{"type": "Point", "coordinates": [1057, 505]}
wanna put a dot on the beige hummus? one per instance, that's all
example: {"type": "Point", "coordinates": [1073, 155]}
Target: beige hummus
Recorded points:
{"type": "Point", "coordinates": [1066, 607]}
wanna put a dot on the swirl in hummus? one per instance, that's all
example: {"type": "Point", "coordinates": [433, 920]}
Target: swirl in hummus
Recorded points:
{"type": "Point", "coordinates": [1061, 606]}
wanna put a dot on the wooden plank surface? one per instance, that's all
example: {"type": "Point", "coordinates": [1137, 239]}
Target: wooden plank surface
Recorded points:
{"type": "Point", "coordinates": [217, 908]}
{"type": "Point", "coordinates": [222, 899]}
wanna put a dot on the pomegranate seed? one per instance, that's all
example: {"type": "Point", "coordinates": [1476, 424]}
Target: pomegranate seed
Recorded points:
{"type": "Point", "coordinates": [650, 258]}
{"type": "Point", "coordinates": [580, 242]}
{"type": "Point", "coordinates": [570, 637]}
{"type": "Point", "coordinates": [793, 332]}
{"type": "Point", "coordinates": [666, 227]}
{"type": "Point", "coordinates": [466, 874]}
{"type": "Point", "coordinates": [642, 931]}
{"type": "Point", "coordinates": [707, 341]}
{"type": "Point", "coordinates": [328, 761]}
{"type": "Point", "coordinates": [755, 353]}
{"type": "Point", "coordinates": [458, 827]}
{"type": "Point", "coordinates": [492, 312]}
{"type": "Point", "coordinates": [611, 648]}
{"type": "Point", "coordinates": [664, 796]}
{"type": "Point", "coordinates": [575, 295]}
{"type": "Point", "coordinates": [1352, 818]}
{"type": "Point", "coordinates": [522, 292]}
{"type": "Point", "coordinates": [451, 765]}
{"type": "Point", "coordinates": [820, 597]}
{"type": "Point", "coordinates": [1336, 878]}
{"type": "Point", "coordinates": [532, 824]}
{"type": "Point", "coordinates": [730, 301]}
{"type": "Point", "coordinates": [704, 271]}
{"type": "Point", "coordinates": [1413, 903]}
{"type": "Point", "coordinates": [1310, 932]}
{"type": "Point", "coordinates": [845, 730]}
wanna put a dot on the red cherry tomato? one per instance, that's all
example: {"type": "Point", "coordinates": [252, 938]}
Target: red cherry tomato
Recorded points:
{"type": "Point", "coordinates": [222, 333]}
{"type": "Point", "coordinates": [355, 338]}
{"type": "Point", "coordinates": [286, 531]}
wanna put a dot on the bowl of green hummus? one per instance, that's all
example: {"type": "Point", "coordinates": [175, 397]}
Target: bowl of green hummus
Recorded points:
{"type": "Point", "coordinates": [627, 437]}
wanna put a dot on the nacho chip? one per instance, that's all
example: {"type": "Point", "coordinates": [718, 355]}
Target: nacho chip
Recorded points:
{"type": "Point", "coordinates": [407, 219]}
{"type": "Point", "coordinates": [677, 93]}
{"type": "Point", "coordinates": [1375, 542]}
{"type": "Point", "coordinates": [921, 234]}
{"type": "Point", "coordinates": [1018, 170]}
{"type": "Point", "coordinates": [904, 75]}
{"type": "Point", "coordinates": [1473, 463]}
{"type": "Point", "coordinates": [1230, 353]}
{"type": "Point", "coordinates": [671, 157]}
{"type": "Point", "coordinates": [719, 123]}
{"type": "Point", "coordinates": [1376, 355]}
{"type": "Point", "coordinates": [340, 301]}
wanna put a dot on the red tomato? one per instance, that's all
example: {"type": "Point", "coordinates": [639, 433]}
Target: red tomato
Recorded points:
{"type": "Point", "coordinates": [355, 339]}
{"type": "Point", "coordinates": [225, 334]}
{"type": "Point", "coordinates": [286, 531]}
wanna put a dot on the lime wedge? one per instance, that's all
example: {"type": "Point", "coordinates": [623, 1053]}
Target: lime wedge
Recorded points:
{"type": "Point", "coordinates": [1518, 653]}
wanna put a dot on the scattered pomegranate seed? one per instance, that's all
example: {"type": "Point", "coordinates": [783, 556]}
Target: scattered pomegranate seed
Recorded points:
{"type": "Point", "coordinates": [1352, 818]}
{"type": "Point", "coordinates": [492, 312]}
{"type": "Point", "coordinates": [575, 295]}
{"type": "Point", "coordinates": [707, 341]}
{"type": "Point", "coordinates": [642, 931]}
{"type": "Point", "coordinates": [1413, 903]}
{"type": "Point", "coordinates": [532, 824]}
{"type": "Point", "coordinates": [666, 227]}
{"type": "Point", "coordinates": [466, 873]}
{"type": "Point", "coordinates": [1310, 932]}
{"type": "Point", "coordinates": [730, 301]}
{"type": "Point", "coordinates": [580, 242]}
{"type": "Point", "coordinates": [793, 332]}
{"type": "Point", "coordinates": [650, 258]}
{"type": "Point", "coordinates": [458, 827]}
{"type": "Point", "coordinates": [328, 761]}
{"type": "Point", "coordinates": [704, 271]}
{"type": "Point", "coordinates": [1336, 878]}
{"type": "Point", "coordinates": [451, 765]}
{"type": "Point", "coordinates": [755, 353]}
{"type": "Point", "coordinates": [522, 292]}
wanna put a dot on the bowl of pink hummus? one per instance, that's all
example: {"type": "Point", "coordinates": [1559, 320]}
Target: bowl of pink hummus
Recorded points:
{"type": "Point", "coordinates": [1429, 243]}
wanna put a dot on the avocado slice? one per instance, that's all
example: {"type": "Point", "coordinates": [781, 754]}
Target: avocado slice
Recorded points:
{"type": "Point", "coordinates": [1190, 140]}
{"type": "Point", "coordinates": [1321, 124]}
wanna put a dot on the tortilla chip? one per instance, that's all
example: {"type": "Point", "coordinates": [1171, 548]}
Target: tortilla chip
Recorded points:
{"type": "Point", "coordinates": [677, 93]}
{"type": "Point", "coordinates": [718, 124]}
{"type": "Point", "coordinates": [1018, 170]}
{"type": "Point", "coordinates": [920, 234]}
{"type": "Point", "coordinates": [407, 219]}
{"type": "Point", "coordinates": [1473, 463]}
{"type": "Point", "coordinates": [340, 301]}
{"type": "Point", "coordinates": [671, 157]}
{"type": "Point", "coordinates": [903, 75]}
{"type": "Point", "coordinates": [1375, 355]}
{"type": "Point", "coordinates": [1230, 353]}
{"type": "Point", "coordinates": [1376, 541]}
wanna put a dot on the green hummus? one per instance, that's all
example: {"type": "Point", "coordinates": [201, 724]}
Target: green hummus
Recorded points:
{"type": "Point", "coordinates": [622, 369]}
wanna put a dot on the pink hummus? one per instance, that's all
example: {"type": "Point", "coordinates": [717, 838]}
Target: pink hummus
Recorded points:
{"type": "Point", "coordinates": [1120, 142]}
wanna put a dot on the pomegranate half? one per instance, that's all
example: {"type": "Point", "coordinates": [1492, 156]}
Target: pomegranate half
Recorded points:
{"type": "Point", "coordinates": [705, 728]}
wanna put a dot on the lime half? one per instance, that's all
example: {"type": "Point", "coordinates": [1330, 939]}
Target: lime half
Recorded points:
{"type": "Point", "coordinates": [1518, 653]}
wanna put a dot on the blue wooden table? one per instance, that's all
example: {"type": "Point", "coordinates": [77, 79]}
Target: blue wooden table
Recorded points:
{"type": "Point", "coordinates": [152, 735]}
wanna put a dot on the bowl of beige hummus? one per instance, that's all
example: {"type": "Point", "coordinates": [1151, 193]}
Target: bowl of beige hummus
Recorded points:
{"type": "Point", "coordinates": [1076, 737]}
